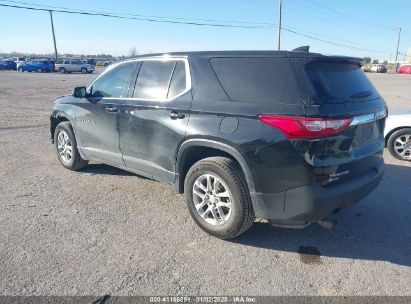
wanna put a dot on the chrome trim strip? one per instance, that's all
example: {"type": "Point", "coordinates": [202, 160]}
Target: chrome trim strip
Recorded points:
{"type": "Point", "coordinates": [154, 58]}
{"type": "Point", "coordinates": [362, 119]}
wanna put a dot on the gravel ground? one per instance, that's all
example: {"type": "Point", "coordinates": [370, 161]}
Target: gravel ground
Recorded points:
{"type": "Point", "coordinates": [107, 231]}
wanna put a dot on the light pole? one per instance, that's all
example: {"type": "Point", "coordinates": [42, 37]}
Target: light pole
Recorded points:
{"type": "Point", "coordinates": [54, 37]}
{"type": "Point", "coordinates": [280, 4]}
{"type": "Point", "coordinates": [398, 45]}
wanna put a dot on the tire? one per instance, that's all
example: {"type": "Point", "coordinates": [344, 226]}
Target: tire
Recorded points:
{"type": "Point", "coordinates": [75, 162]}
{"type": "Point", "coordinates": [62, 70]}
{"type": "Point", "coordinates": [225, 173]}
{"type": "Point", "coordinates": [83, 70]}
{"type": "Point", "coordinates": [39, 70]}
{"type": "Point", "coordinates": [399, 144]}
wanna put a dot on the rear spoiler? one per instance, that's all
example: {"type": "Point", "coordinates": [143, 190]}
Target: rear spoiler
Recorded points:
{"type": "Point", "coordinates": [339, 59]}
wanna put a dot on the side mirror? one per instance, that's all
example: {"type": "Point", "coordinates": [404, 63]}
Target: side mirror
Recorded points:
{"type": "Point", "coordinates": [80, 92]}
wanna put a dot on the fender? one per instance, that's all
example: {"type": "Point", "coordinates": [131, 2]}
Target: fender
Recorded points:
{"type": "Point", "coordinates": [53, 118]}
{"type": "Point", "coordinates": [215, 145]}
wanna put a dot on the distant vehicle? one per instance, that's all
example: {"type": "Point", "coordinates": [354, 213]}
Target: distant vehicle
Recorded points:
{"type": "Point", "coordinates": [99, 63]}
{"type": "Point", "coordinates": [68, 66]}
{"type": "Point", "coordinates": [91, 61]}
{"type": "Point", "coordinates": [398, 135]}
{"type": "Point", "coordinates": [19, 60]}
{"type": "Point", "coordinates": [366, 68]}
{"type": "Point", "coordinates": [107, 62]}
{"type": "Point", "coordinates": [7, 65]}
{"type": "Point", "coordinates": [36, 65]}
{"type": "Point", "coordinates": [405, 69]}
{"type": "Point", "coordinates": [379, 68]}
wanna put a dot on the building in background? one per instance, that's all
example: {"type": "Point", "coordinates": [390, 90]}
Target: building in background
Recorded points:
{"type": "Point", "coordinates": [409, 56]}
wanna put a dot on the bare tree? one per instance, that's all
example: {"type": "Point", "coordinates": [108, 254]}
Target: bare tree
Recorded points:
{"type": "Point", "coordinates": [132, 52]}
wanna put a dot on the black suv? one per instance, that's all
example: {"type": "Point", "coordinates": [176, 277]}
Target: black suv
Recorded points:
{"type": "Point", "coordinates": [285, 136]}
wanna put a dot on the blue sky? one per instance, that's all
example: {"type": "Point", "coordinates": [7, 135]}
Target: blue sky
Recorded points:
{"type": "Point", "coordinates": [361, 27]}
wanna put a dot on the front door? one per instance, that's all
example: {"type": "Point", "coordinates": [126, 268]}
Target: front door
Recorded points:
{"type": "Point", "coordinates": [153, 123]}
{"type": "Point", "coordinates": [97, 119]}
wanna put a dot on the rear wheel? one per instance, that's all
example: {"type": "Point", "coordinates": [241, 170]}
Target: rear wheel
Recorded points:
{"type": "Point", "coordinates": [62, 70]}
{"type": "Point", "coordinates": [399, 144]}
{"type": "Point", "coordinates": [66, 147]}
{"type": "Point", "coordinates": [40, 70]}
{"type": "Point", "coordinates": [84, 70]}
{"type": "Point", "coordinates": [217, 197]}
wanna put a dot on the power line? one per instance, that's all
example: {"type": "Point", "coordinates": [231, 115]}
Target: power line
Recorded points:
{"type": "Point", "coordinates": [375, 48]}
{"type": "Point", "coordinates": [314, 5]}
{"type": "Point", "coordinates": [320, 5]}
{"type": "Point", "coordinates": [66, 11]}
{"type": "Point", "coordinates": [151, 19]}
{"type": "Point", "coordinates": [327, 41]}
{"type": "Point", "coordinates": [144, 17]}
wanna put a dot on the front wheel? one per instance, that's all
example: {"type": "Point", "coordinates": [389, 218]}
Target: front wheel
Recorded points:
{"type": "Point", "coordinates": [399, 144]}
{"type": "Point", "coordinates": [66, 147]}
{"type": "Point", "coordinates": [217, 197]}
{"type": "Point", "coordinates": [62, 70]}
{"type": "Point", "coordinates": [21, 69]}
{"type": "Point", "coordinates": [39, 70]}
{"type": "Point", "coordinates": [83, 71]}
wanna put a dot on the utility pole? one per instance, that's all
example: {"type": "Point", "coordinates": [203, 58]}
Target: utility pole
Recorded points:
{"type": "Point", "coordinates": [54, 36]}
{"type": "Point", "coordinates": [398, 45]}
{"type": "Point", "coordinates": [280, 4]}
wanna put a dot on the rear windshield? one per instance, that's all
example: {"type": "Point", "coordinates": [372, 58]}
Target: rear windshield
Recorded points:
{"type": "Point", "coordinates": [335, 82]}
{"type": "Point", "coordinates": [260, 80]}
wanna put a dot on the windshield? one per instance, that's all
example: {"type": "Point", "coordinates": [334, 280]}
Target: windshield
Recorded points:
{"type": "Point", "coordinates": [336, 82]}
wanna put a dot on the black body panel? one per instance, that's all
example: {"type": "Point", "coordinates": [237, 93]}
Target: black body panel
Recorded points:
{"type": "Point", "coordinates": [297, 180]}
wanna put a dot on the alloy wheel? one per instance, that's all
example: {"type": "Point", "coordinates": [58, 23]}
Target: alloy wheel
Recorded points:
{"type": "Point", "coordinates": [402, 146]}
{"type": "Point", "coordinates": [64, 147]}
{"type": "Point", "coordinates": [212, 199]}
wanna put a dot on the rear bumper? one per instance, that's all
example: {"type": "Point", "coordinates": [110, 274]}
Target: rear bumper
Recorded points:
{"type": "Point", "coordinates": [311, 203]}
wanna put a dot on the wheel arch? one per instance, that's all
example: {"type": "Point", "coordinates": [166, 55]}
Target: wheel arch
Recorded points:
{"type": "Point", "coordinates": [387, 137]}
{"type": "Point", "coordinates": [194, 150]}
{"type": "Point", "coordinates": [55, 119]}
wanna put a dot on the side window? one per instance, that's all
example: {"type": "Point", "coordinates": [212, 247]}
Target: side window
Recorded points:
{"type": "Point", "coordinates": [66, 62]}
{"type": "Point", "coordinates": [114, 82]}
{"type": "Point", "coordinates": [178, 81]}
{"type": "Point", "coordinates": [153, 80]}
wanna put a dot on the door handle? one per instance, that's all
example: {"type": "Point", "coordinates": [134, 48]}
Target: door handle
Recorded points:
{"type": "Point", "coordinates": [176, 115]}
{"type": "Point", "coordinates": [111, 110]}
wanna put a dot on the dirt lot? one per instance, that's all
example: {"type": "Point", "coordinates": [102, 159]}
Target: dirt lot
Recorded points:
{"type": "Point", "coordinates": [106, 231]}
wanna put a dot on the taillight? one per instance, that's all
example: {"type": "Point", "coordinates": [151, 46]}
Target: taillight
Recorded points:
{"type": "Point", "coordinates": [295, 127]}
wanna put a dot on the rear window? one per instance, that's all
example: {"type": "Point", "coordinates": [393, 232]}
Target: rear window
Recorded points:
{"type": "Point", "coordinates": [260, 80]}
{"type": "Point", "coordinates": [335, 82]}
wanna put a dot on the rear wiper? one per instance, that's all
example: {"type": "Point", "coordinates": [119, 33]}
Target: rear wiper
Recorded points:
{"type": "Point", "coordinates": [364, 94]}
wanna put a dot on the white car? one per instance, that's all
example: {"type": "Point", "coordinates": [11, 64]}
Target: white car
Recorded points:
{"type": "Point", "coordinates": [398, 135]}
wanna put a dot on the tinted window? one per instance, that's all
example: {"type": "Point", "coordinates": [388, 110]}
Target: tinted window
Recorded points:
{"type": "Point", "coordinates": [257, 80]}
{"type": "Point", "coordinates": [66, 62]}
{"type": "Point", "coordinates": [153, 80]}
{"type": "Point", "coordinates": [178, 80]}
{"type": "Point", "coordinates": [335, 82]}
{"type": "Point", "coordinates": [112, 84]}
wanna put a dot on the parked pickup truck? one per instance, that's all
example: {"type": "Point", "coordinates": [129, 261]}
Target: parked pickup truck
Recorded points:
{"type": "Point", "coordinates": [68, 66]}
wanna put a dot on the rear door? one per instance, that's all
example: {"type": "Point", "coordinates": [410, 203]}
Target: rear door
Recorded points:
{"type": "Point", "coordinates": [341, 89]}
{"type": "Point", "coordinates": [152, 124]}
